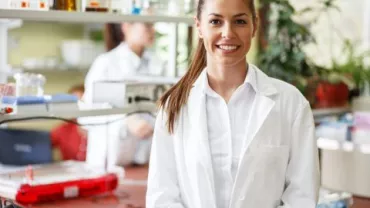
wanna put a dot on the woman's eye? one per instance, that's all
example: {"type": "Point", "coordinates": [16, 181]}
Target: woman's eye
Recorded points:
{"type": "Point", "coordinates": [215, 22]}
{"type": "Point", "coordinates": [240, 21]}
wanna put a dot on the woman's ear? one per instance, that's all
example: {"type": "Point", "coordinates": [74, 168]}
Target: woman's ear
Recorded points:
{"type": "Point", "coordinates": [197, 23]}
{"type": "Point", "coordinates": [255, 26]}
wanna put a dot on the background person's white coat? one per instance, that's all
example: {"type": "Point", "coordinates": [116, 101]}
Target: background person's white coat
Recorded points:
{"type": "Point", "coordinates": [123, 147]}
{"type": "Point", "coordinates": [278, 168]}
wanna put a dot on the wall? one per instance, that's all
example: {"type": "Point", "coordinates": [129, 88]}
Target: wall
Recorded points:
{"type": "Point", "coordinates": [39, 40]}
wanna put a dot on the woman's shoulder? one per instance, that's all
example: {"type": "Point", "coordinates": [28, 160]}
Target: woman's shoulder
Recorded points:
{"type": "Point", "coordinates": [286, 88]}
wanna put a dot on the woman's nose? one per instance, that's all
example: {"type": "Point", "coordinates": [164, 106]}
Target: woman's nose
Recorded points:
{"type": "Point", "coordinates": [228, 31]}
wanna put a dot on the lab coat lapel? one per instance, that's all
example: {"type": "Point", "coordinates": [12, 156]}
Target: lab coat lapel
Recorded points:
{"type": "Point", "coordinates": [262, 106]}
{"type": "Point", "coordinates": [200, 162]}
{"type": "Point", "coordinates": [261, 109]}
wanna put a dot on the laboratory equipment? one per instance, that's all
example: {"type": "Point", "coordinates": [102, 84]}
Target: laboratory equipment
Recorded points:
{"type": "Point", "coordinates": [67, 5]}
{"type": "Point", "coordinates": [97, 6]}
{"type": "Point", "coordinates": [121, 6]}
{"type": "Point", "coordinates": [24, 147]}
{"type": "Point", "coordinates": [329, 199]}
{"type": "Point", "coordinates": [29, 84]}
{"type": "Point", "coordinates": [63, 180]}
{"type": "Point", "coordinates": [29, 4]}
{"type": "Point", "coordinates": [132, 90]}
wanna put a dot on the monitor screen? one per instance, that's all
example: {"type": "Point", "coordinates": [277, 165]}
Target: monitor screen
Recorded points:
{"type": "Point", "coordinates": [25, 147]}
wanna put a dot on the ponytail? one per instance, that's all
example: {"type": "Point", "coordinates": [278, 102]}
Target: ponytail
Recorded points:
{"type": "Point", "coordinates": [176, 97]}
{"type": "Point", "coordinates": [113, 35]}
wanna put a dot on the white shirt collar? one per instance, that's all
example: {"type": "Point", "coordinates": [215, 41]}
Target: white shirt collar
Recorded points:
{"type": "Point", "coordinates": [249, 79]}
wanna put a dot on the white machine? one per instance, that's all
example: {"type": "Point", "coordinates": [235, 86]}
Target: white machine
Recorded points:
{"type": "Point", "coordinates": [131, 90]}
{"type": "Point", "coordinates": [108, 144]}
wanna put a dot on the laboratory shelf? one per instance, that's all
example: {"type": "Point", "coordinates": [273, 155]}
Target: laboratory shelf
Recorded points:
{"type": "Point", "coordinates": [144, 107]}
{"type": "Point", "coordinates": [345, 146]}
{"type": "Point", "coordinates": [345, 166]}
{"type": "Point", "coordinates": [330, 111]}
{"type": "Point", "coordinates": [89, 17]}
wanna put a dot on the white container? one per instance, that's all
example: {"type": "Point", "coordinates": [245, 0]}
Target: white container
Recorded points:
{"type": "Point", "coordinates": [121, 6]}
{"type": "Point", "coordinates": [80, 54]}
{"type": "Point", "coordinates": [361, 104]}
{"type": "Point", "coordinates": [4, 4]}
{"type": "Point", "coordinates": [41, 5]}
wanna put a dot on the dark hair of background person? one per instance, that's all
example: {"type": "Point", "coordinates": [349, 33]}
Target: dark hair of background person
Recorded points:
{"type": "Point", "coordinates": [77, 88]}
{"type": "Point", "coordinates": [113, 35]}
{"type": "Point", "coordinates": [176, 97]}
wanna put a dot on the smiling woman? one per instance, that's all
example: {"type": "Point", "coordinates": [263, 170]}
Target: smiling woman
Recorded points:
{"type": "Point", "coordinates": [227, 135]}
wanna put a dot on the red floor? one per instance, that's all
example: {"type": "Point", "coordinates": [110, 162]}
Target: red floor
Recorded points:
{"type": "Point", "coordinates": [127, 196]}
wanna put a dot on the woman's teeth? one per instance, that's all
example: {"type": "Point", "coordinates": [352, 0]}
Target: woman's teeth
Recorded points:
{"type": "Point", "coordinates": [227, 47]}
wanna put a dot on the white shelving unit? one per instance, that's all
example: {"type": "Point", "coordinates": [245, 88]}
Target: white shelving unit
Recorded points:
{"type": "Point", "coordinates": [330, 111]}
{"type": "Point", "coordinates": [151, 107]}
{"type": "Point", "coordinates": [345, 166]}
{"type": "Point", "coordinates": [130, 109]}
{"type": "Point", "coordinates": [88, 17]}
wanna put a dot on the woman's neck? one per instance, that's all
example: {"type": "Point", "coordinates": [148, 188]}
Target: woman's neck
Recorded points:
{"type": "Point", "coordinates": [224, 80]}
{"type": "Point", "coordinates": [138, 50]}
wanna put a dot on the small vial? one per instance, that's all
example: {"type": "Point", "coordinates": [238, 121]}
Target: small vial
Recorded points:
{"type": "Point", "coordinates": [29, 174]}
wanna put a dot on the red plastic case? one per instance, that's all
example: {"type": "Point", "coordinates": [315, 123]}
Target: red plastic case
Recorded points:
{"type": "Point", "coordinates": [57, 181]}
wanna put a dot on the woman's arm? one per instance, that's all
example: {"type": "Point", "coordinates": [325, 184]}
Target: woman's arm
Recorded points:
{"type": "Point", "coordinates": [302, 178]}
{"type": "Point", "coordinates": [96, 73]}
{"type": "Point", "coordinates": [163, 190]}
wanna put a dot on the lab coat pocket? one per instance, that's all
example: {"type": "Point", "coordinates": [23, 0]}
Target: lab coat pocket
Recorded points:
{"type": "Point", "coordinates": [269, 168]}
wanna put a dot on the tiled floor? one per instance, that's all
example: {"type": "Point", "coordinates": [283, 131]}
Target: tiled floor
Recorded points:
{"type": "Point", "coordinates": [129, 195]}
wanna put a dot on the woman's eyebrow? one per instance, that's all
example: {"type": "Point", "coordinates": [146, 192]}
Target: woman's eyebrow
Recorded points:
{"type": "Point", "coordinates": [219, 15]}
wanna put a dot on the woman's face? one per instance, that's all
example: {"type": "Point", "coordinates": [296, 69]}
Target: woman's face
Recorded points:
{"type": "Point", "coordinates": [142, 34]}
{"type": "Point", "coordinates": [227, 29]}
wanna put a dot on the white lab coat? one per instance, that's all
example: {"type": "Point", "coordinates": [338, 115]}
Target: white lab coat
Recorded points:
{"type": "Point", "coordinates": [278, 168]}
{"type": "Point", "coordinates": [114, 139]}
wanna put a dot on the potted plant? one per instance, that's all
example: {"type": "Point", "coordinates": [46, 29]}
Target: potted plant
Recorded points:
{"type": "Point", "coordinates": [344, 79]}
{"type": "Point", "coordinates": [281, 44]}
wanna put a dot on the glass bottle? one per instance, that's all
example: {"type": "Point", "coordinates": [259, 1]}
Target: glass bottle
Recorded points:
{"type": "Point", "coordinates": [67, 5]}
{"type": "Point", "coordinates": [28, 84]}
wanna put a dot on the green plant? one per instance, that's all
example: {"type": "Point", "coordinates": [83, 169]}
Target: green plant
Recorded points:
{"type": "Point", "coordinates": [283, 56]}
{"type": "Point", "coordinates": [96, 35]}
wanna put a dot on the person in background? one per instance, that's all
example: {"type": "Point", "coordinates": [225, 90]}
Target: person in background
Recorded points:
{"type": "Point", "coordinates": [227, 135]}
{"type": "Point", "coordinates": [128, 56]}
{"type": "Point", "coordinates": [69, 138]}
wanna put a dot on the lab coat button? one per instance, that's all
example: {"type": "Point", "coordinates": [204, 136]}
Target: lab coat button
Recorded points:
{"type": "Point", "coordinates": [241, 198]}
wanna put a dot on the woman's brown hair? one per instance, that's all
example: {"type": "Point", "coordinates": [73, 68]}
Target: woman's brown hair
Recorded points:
{"type": "Point", "coordinates": [173, 100]}
{"type": "Point", "coordinates": [113, 35]}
